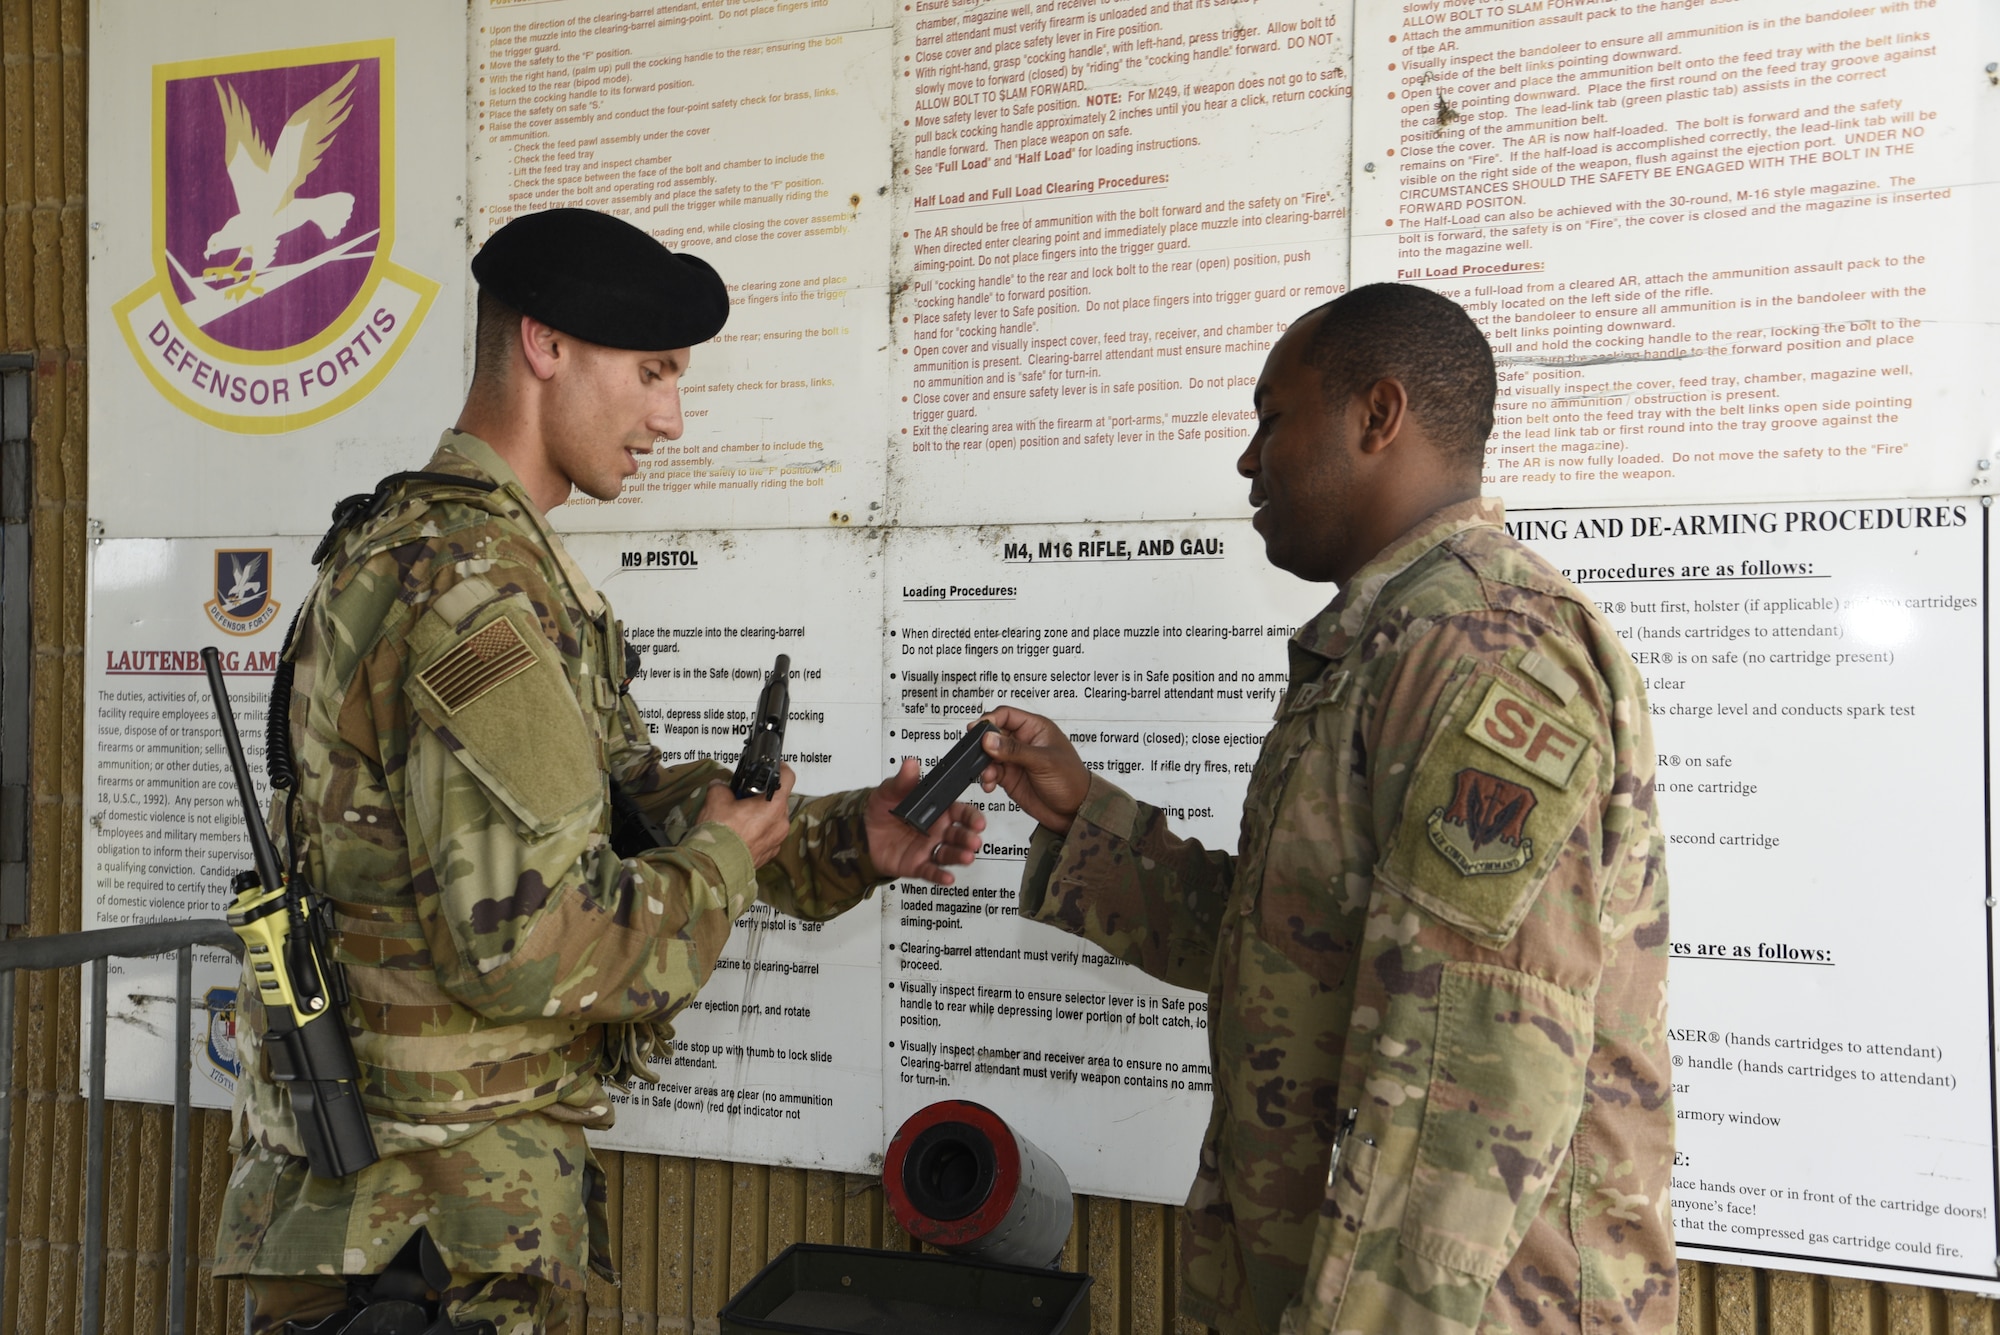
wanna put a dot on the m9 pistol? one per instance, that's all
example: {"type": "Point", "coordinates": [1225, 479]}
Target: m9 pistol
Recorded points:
{"type": "Point", "coordinates": [633, 832]}
{"type": "Point", "coordinates": [758, 772]}
{"type": "Point", "coordinates": [304, 993]}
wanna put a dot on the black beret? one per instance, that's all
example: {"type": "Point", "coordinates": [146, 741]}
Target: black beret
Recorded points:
{"type": "Point", "coordinates": [603, 280]}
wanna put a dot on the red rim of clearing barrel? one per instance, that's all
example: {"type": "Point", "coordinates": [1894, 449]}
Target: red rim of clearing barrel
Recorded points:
{"type": "Point", "coordinates": [1006, 1175]}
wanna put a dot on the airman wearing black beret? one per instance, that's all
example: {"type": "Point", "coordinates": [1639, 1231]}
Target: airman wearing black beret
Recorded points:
{"type": "Point", "coordinates": [460, 682]}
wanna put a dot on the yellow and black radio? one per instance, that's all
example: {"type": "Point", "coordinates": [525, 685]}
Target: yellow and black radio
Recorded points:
{"type": "Point", "coordinates": [303, 993]}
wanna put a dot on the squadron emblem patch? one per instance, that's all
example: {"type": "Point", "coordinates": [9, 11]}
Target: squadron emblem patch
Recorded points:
{"type": "Point", "coordinates": [1483, 832]}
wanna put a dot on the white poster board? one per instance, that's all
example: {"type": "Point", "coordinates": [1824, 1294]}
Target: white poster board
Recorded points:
{"type": "Point", "coordinates": [277, 257]}
{"type": "Point", "coordinates": [1160, 649]}
{"type": "Point", "coordinates": [769, 158]}
{"type": "Point", "coordinates": [1723, 253]}
{"type": "Point", "coordinates": [1816, 676]}
{"type": "Point", "coordinates": [163, 828]}
{"type": "Point", "coordinates": [1105, 215]}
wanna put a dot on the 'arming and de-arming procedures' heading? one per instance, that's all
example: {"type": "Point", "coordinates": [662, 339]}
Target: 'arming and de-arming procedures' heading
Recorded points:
{"type": "Point", "coordinates": [1851, 519]}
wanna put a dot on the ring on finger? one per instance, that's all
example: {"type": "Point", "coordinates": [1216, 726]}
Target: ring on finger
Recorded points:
{"type": "Point", "coordinates": [937, 853]}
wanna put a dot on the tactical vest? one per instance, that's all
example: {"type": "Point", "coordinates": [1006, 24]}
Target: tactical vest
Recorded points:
{"type": "Point", "coordinates": [424, 1058]}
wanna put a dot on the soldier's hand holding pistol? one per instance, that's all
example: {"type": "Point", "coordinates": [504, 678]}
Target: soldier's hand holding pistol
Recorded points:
{"type": "Point", "coordinates": [762, 823]}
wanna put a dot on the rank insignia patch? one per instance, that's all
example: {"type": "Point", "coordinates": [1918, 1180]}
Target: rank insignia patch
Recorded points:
{"type": "Point", "coordinates": [1484, 830]}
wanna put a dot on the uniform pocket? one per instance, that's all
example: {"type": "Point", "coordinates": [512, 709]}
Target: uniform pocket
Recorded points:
{"type": "Point", "coordinates": [1338, 1234]}
{"type": "Point", "coordinates": [1505, 1094]}
{"type": "Point", "coordinates": [500, 700]}
{"type": "Point", "coordinates": [1294, 884]}
{"type": "Point", "coordinates": [1306, 909]}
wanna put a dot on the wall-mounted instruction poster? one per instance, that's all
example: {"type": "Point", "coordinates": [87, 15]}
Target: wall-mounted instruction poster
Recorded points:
{"type": "Point", "coordinates": [778, 1060]}
{"type": "Point", "coordinates": [1106, 214]}
{"type": "Point", "coordinates": [1160, 649]}
{"type": "Point", "coordinates": [277, 252]}
{"type": "Point", "coordinates": [769, 158]}
{"type": "Point", "coordinates": [1722, 251]}
{"type": "Point", "coordinates": [163, 828]}
{"type": "Point", "coordinates": [1816, 676]}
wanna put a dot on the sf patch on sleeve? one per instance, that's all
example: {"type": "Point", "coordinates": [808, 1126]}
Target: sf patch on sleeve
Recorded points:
{"type": "Point", "coordinates": [1541, 742]}
{"type": "Point", "coordinates": [1497, 790]}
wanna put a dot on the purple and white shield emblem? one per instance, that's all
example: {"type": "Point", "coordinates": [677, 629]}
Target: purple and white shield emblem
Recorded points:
{"type": "Point", "coordinates": [273, 198]}
{"type": "Point", "coordinates": [275, 303]}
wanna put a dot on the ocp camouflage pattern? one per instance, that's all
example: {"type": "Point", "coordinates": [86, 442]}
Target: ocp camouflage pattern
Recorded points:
{"type": "Point", "coordinates": [1447, 913]}
{"type": "Point", "coordinates": [456, 711]}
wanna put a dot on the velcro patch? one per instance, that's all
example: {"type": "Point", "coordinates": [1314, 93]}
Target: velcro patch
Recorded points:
{"type": "Point", "coordinates": [487, 658]}
{"type": "Point", "coordinates": [1477, 839]}
{"type": "Point", "coordinates": [1537, 740]}
{"type": "Point", "coordinates": [1482, 831]}
{"type": "Point", "coordinates": [1561, 685]}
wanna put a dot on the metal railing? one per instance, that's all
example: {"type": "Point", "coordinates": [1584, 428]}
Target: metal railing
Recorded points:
{"type": "Point", "coordinates": [69, 950]}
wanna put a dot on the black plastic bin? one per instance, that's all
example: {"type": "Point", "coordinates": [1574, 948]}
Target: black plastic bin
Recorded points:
{"type": "Point", "coordinates": [812, 1289]}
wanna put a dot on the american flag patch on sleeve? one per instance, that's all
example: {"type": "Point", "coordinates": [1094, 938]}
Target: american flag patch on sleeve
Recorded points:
{"type": "Point", "coordinates": [492, 655]}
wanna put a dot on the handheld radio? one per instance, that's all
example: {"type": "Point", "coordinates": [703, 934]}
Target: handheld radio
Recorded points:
{"type": "Point", "coordinates": [284, 931]}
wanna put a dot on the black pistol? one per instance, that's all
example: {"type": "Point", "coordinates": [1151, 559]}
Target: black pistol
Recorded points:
{"type": "Point", "coordinates": [284, 931]}
{"type": "Point", "coordinates": [764, 749]}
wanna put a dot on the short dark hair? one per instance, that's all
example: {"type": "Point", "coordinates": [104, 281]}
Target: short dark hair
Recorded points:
{"type": "Point", "coordinates": [495, 332]}
{"type": "Point", "coordinates": [1426, 341]}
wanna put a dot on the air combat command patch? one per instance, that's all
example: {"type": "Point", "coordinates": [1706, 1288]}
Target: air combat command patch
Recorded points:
{"type": "Point", "coordinates": [1483, 832]}
{"type": "Point", "coordinates": [221, 1050]}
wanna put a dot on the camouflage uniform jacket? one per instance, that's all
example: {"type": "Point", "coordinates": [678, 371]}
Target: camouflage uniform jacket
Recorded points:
{"type": "Point", "coordinates": [1446, 921]}
{"type": "Point", "coordinates": [456, 710]}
